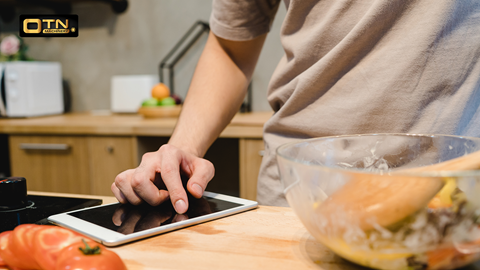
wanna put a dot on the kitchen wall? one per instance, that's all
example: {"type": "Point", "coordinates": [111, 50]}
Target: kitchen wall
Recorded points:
{"type": "Point", "coordinates": [134, 42]}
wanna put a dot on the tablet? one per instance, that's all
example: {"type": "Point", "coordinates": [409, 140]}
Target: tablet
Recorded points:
{"type": "Point", "coordinates": [116, 224]}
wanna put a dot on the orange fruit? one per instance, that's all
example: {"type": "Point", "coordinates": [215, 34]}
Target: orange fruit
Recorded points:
{"type": "Point", "coordinates": [160, 90]}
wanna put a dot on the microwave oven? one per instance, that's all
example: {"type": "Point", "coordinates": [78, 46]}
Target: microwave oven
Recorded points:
{"type": "Point", "coordinates": [30, 88]}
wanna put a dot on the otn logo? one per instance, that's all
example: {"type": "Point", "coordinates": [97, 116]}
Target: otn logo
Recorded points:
{"type": "Point", "coordinates": [49, 26]}
{"type": "Point", "coordinates": [38, 24]}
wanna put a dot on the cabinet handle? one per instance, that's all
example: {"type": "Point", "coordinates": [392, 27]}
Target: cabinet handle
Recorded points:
{"type": "Point", "coordinates": [109, 149]}
{"type": "Point", "coordinates": [261, 153]}
{"type": "Point", "coordinates": [45, 146]}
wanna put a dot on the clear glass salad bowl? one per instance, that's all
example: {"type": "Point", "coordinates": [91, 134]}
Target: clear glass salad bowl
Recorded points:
{"type": "Point", "coordinates": [365, 198]}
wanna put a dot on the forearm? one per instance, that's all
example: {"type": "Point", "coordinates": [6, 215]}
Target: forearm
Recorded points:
{"type": "Point", "coordinates": [216, 93]}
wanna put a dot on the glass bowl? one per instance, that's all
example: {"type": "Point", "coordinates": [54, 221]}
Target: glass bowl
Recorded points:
{"type": "Point", "coordinates": [364, 197]}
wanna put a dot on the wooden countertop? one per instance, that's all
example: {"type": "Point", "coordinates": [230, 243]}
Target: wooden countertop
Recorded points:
{"type": "Point", "coordinates": [243, 125]}
{"type": "Point", "coordinates": [264, 238]}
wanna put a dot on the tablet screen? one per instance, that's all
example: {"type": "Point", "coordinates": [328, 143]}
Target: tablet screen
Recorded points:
{"type": "Point", "coordinates": [127, 219]}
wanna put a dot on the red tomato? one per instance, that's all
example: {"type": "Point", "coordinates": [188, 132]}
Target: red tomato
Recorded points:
{"type": "Point", "coordinates": [16, 268]}
{"type": "Point", "coordinates": [49, 242]}
{"type": "Point", "coordinates": [5, 253]}
{"type": "Point", "coordinates": [2, 236]}
{"type": "Point", "coordinates": [89, 255]}
{"type": "Point", "coordinates": [21, 245]}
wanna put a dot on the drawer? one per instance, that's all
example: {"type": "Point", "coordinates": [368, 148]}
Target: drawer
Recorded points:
{"type": "Point", "coordinates": [109, 156]}
{"type": "Point", "coordinates": [51, 163]}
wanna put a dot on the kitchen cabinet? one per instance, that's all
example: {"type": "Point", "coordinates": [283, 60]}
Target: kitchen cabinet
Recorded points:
{"type": "Point", "coordinates": [51, 163]}
{"type": "Point", "coordinates": [109, 156]}
{"type": "Point", "coordinates": [82, 153]}
{"type": "Point", "coordinates": [251, 153]}
{"type": "Point", "coordinates": [71, 164]}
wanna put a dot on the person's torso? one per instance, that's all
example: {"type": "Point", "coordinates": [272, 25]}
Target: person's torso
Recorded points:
{"type": "Point", "coordinates": [369, 66]}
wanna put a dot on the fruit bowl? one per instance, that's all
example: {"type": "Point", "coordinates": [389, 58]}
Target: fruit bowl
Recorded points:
{"type": "Point", "coordinates": [161, 103]}
{"type": "Point", "coordinates": [363, 197]}
{"type": "Point", "coordinates": [160, 111]}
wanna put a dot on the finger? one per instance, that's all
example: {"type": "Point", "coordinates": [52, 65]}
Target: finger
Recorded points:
{"type": "Point", "coordinates": [170, 171]}
{"type": "Point", "coordinates": [143, 180]}
{"type": "Point", "coordinates": [118, 194]}
{"type": "Point", "coordinates": [203, 172]}
{"type": "Point", "coordinates": [123, 190]}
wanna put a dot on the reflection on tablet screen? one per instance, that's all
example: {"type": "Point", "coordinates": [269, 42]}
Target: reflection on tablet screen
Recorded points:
{"type": "Point", "coordinates": [127, 219]}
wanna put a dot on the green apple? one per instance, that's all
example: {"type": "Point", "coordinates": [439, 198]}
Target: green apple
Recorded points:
{"type": "Point", "coordinates": [168, 101]}
{"type": "Point", "coordinates": [151, 102]}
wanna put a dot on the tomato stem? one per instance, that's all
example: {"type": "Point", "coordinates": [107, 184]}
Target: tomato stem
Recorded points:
{"type": "Point", "coordinates": [88, 250]}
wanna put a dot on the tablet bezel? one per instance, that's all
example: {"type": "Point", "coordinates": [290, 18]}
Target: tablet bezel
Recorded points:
{"type": "Point", "coordinates": [112, 238]}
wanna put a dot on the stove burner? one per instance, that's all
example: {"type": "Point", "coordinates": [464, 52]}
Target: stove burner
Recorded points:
{"type": "Point", "coordinates": [29, 205]}
{"type": "Point", "coordinates": [16, 207]}
{"type": "Point", "coordinates": [39, 208]}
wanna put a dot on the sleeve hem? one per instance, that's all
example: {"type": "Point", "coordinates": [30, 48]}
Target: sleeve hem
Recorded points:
{"type": "Point", "coordinates": [237, 33]}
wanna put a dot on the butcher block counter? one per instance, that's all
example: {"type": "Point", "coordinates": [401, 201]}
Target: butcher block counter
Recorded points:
{"type": "Point", "coordinates": [243, 125]}
{"type": "Point", "coordinates": [264, 238]}
{"type": "Point", "coordinates": [83, 152]}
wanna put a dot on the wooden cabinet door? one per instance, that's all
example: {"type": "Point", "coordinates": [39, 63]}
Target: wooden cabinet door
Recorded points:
{"type": "Point", "coordinates": [51, 163]}
{"type": "Point", "coordinates": [108, 156]}
{"type": "Point", "coordinates": [250, 160]}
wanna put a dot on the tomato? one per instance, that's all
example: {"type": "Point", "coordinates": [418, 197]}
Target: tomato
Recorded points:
{"type": "Point", "coordinates": [89, 255]}
{"type": "Point", "coordinates": [3, 235]}
{"type": "Point", "coordinates": [49, 242]}
{"type": "Point", "coordinates": [21, 245]}
{"type": "Point", "coordinates": [5, 253]}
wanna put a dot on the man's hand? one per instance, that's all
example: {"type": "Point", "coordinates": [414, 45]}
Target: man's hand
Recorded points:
{"type": "Point", "coordinates": [157, 178]}
{"type": "Point", "coordinates": [216, 93]}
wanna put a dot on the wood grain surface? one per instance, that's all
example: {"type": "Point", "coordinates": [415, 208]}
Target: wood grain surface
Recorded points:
{"type": "Point", "coordinates": [40, 167]}
{"type": "Point", "coordinates": [88, 166]}
{"type": "Point", "coordinates": [267, 237]}
{"type": "Point", "coordinates": [243, 125]}
{"type": "Point", "coordinates": [107, 159]}
{"type": "Point", "coordinates": [251, 158]}
{"type": "Point", "coordinates": [264, 238]}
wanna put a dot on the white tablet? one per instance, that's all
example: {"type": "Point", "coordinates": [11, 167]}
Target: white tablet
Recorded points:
{"type": "Point", "coordinates": [116, 224]}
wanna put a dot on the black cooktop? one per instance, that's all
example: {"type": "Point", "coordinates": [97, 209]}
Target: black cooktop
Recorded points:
{"type": "Point", "coordinates": [38, 208]}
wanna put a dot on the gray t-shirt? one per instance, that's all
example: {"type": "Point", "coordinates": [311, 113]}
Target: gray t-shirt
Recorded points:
{"type": "Point", "coordinates": [363, 66]}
